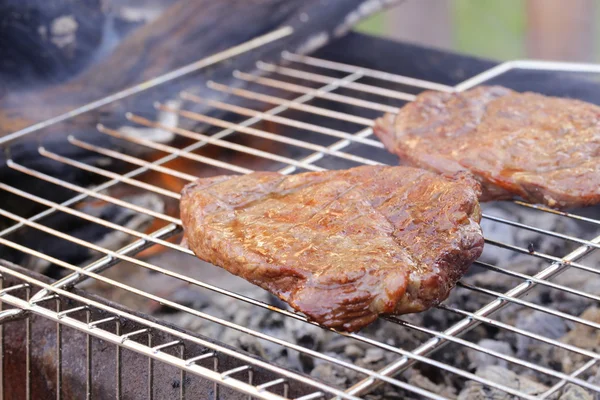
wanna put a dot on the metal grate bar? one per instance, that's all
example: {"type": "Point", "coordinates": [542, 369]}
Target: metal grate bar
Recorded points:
{"type": "Point", "coordinates": [273, 383]}
{"type": "Point", "coordinates": [499, 355]}
{"type": "Point", "coordinates": [557, 212]}
{"type": "Point", "coordinates": [90, 193]}
{"type": "Point", "coordinates": [108, 261]}
{"type": "Point", "coordinates": [278, 101]}
{"type": "Point", "coordinates": [294, 88]}
{"type": "Point", "coordinates": [542, 231]}
{"type": "Point", "coordinates": [170, 149]}
{"type": "Point", "coordinates": [542, 282]}
{"type": "Point", "coordinates": [93, 219]}
{"type": "Point", "coordinates": [284, 121]}
{"type": "Point", "coordinates": [313, 396]}
{"type": "Point", "coordinates": [546, 257]}
{"type": "Point", "coordinates": [108, 174]}
{"type": "Point", "coordinates": [133, 160]}
{"type": "Point", "coordinates": [223, 143]}
{"type": "Point", "coordinates": [523, 332]}
{"type": "Point", "coordinates": [562, 383]}
{"type": "Point", "coordinates": [318, 62]}
{"type": "Point", "coordinates": [271, 136]}
{"type": "Point", "coordinates": [295, 73]}
{"type": "Point", "coordinates": [511, 299]}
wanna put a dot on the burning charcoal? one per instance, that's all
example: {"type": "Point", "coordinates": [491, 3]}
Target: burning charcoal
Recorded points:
{"type": "Point", "coordinates": [596, 380]}
{"type": "Point", "coordinates": [332, 374]}
{"type": "Point", "coordinates": [131, 219]}
{"type": "Point", "coordinates": [584, 337]}
{"type": "Point", "coordinates": [444, 389]}
{"type": "Point", "coordinates": [307, 335]}
{"type": "Point", "coordinates": [386, 395]}
{"type": "Point", "coordinates": [339, 343]}
{"type": "Point", "coordinates": [573, 392]}
{"type": "Point", "coordinates": [271, 321]}
{"type": "Point", "coordinates": [522, 237]}
{"type": "Point", "coordinates": [251, 345]}
{"type": "Point", "coordinates": [373, 356]}
{"type": "Point", "coordinates": [479, 359]}
{"type": "Point", "coordinates": [476, 391]}
{"type": "Point", "coordinates": [579, 280]}
{"type": "Point", "coordinates": [90, 232]}
{"type": "Point", "coordinates": [190, 297]}
{"type": "Point", "coordinates": [396, 335]}
{"type": "Point", "coordinates": [538, 323]}
{"type": "Point", "coordinates": [353, 351]}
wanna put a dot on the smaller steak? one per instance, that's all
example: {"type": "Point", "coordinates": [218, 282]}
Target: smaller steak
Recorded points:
{"type": "Point", "coordinates": [539, 148]}
{"type": "Point", "coordinates": [340, 246]}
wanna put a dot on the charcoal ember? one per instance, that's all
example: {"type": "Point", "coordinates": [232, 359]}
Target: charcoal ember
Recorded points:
{"type": "Point", "coordinates": [445, 388]}
{"type": "Point", "coordinates": [91, 232]}
{"type": "Point", "coordinates": [522, 237]}
{"type": "Point", "coordinates": [500, 282]}
{"type": "Point", "coordinates": [338, 344]}
{"type": "Point", "coordinates": [582, 336]}
{"type": "Point", "coordinates": [580, 280]}
{"type": "Point", "coordinates": [595, 379]}
{"type": "Point", "coordinates": [190, 297]}
{"type": "Point", "coordinates": [467, 299]}
{"type": "Point", "coordinates": [333, 374]}
{"type": "Point", "coordinates": [392, 395]}
{"type": "Point", "coordinates": [539, 323]}
{"type": "Point", "coordinates": [574, 392]}
{"type": "Point", "coordinates": [353, 351]}
{"type": "Point", "coordinates": [251, 345]}
{"type": "Point", "coordinates": [396, 335]}
{"type": "Point", "coordinates": [258, 319]}
{"type": "Point", "coordinates": [373, 358]}
{"type": "Point", "coordinates": [480, 359]}
{"type": "Point", "coordinates": [476, 391]}
{"type": "Point", "coordinates": [129, 218]}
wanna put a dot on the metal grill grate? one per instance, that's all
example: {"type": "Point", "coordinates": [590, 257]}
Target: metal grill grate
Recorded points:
{"type": "Point", "coordinates": [325, 82]}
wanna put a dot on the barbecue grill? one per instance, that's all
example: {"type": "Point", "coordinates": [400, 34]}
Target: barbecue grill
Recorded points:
{"type": "Point", "coordinates": [310, 113]}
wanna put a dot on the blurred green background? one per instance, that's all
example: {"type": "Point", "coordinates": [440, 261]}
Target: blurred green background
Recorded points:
{"type": "Point", "coordinates": [500, 29]}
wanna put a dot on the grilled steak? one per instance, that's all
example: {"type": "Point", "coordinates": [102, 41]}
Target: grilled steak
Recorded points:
{"type": "Point", "coordinates": [340, 246]}
{"type": "Point", "coordinates": [541, 149]}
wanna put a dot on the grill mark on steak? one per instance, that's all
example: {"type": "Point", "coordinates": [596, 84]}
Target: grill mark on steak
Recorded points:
{"type": "Point", "coordinates": [340, 246]}
{"type": "Point", "coordinates": [518, 145]}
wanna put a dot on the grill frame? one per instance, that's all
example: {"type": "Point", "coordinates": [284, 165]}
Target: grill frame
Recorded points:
{"type": "Point", "coordinates": [472, 319]}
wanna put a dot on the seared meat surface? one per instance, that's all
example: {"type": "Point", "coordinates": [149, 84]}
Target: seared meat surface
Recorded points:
{"type": "Point", "coordinates": [340, 246]}
{"type": "Point", "coordinates": [539, 148]}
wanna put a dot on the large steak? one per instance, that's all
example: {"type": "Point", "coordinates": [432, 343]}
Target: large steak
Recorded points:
{"type": "Point", "coordinates": [340, 246]}
{"type": "Point", "coordinates": [518, 145]}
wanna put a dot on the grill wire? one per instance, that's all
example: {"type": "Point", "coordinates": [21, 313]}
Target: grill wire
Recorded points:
{"type": "Point", "coordinates": [330, 79]}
